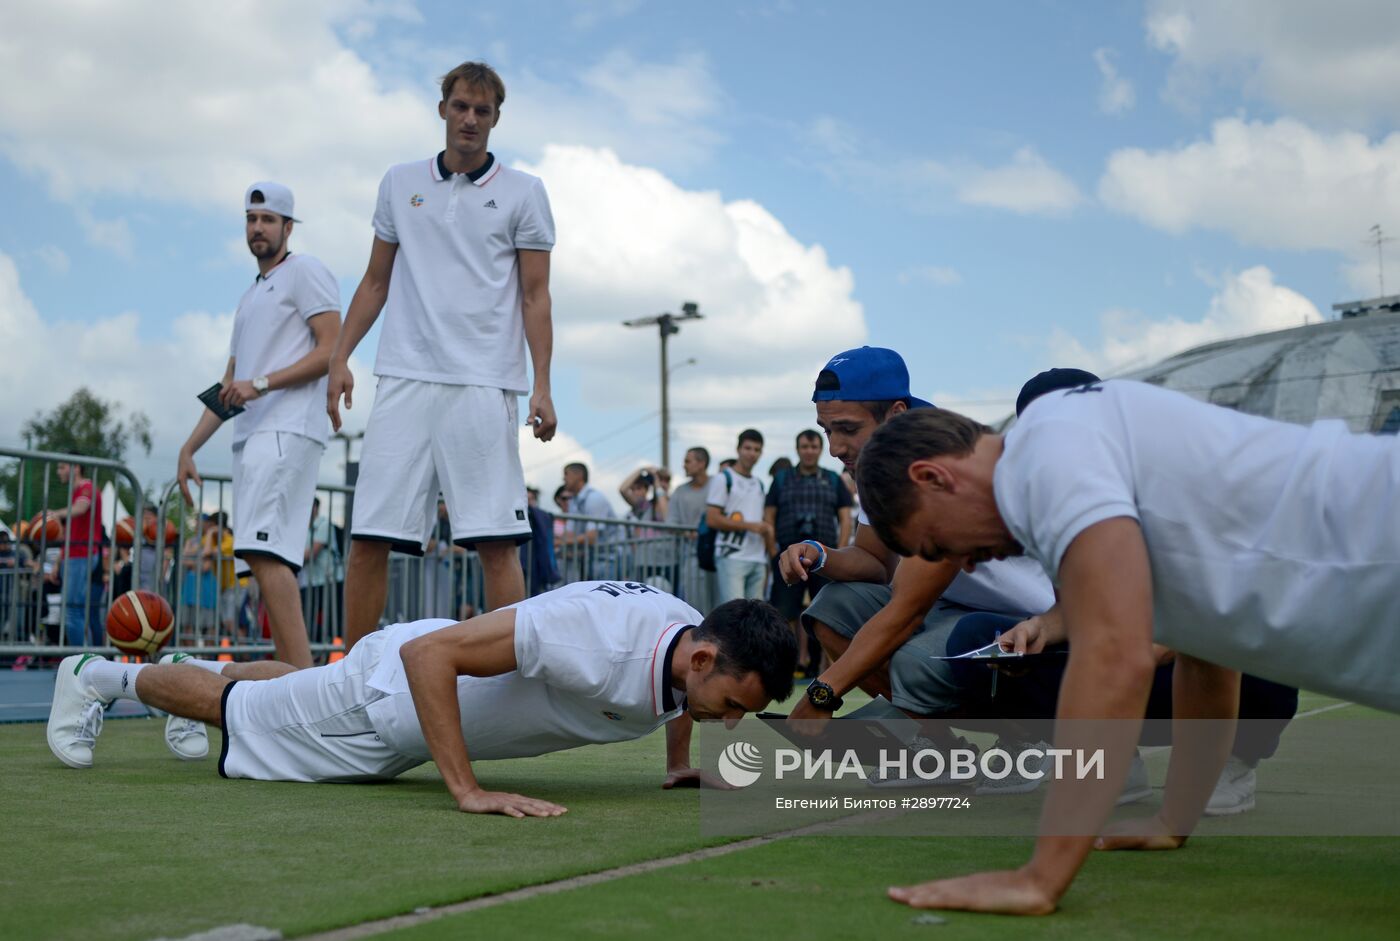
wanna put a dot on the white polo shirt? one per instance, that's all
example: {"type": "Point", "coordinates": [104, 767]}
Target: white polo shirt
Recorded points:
{"type": "Point", "coordinates": [1016, 587]}
{"type": "Point", "coordinates": [734, 493]}
{"type": "Point", "coordinates": [594, 666]}
{"type": "Point", "coordinates": [453, 314]}
{"type": "Point", "coordinates": [270, 332]}
{"type": "Point", "coordinates": [1275, 548]}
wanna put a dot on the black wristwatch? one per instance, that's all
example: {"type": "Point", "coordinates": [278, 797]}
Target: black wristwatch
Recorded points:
{"type": "Point", "coordinates": [822, 696]}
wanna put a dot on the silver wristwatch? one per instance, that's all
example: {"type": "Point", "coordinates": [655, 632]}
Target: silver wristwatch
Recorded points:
{"type": "Point", "coordinates": [260, 384]}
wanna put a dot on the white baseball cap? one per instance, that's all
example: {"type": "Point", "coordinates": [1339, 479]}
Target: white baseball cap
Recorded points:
{"type": "Point", "coordinates": [275, 198]}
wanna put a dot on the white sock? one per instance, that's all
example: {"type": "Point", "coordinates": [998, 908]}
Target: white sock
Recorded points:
{"type": "Point", "coordinates": [113, 680]}
{"type": "Point", "coordinates": [213, 666]}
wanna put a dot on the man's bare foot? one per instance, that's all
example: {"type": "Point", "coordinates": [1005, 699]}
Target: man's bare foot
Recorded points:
{"type": "Point", "coordinates": [1007, 892]}
{"type": "Point", "coordinates": [1148, 833]}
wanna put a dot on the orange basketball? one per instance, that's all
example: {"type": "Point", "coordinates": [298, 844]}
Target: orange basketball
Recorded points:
{"type": "Point", "coordinates": [172, 535]}
{"type": "Point", "coordinates": [140, 622]}
{"type": "Point", "coordinates": [45, 527]}
{"type": "Point", "coordinates": [125, 531]}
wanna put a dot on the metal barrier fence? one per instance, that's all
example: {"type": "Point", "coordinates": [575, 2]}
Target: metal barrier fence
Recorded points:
{"type": "Point", "coordinates": [218, 611]}
{"type": "Point", "coordinates": [55, 590]}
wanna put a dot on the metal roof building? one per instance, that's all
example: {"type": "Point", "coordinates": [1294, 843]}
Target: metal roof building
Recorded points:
{"type": "Point", "coordinates": [1347, 368]}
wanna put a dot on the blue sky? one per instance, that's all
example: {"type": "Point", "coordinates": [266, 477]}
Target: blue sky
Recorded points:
{"type": "Point", "coordinates": [991, 189]}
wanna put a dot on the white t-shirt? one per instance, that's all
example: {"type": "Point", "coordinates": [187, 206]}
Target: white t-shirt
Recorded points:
{"type": "Point", "coordinates": [593, 666]}
{"type": "Point", "coordinates": [1274, 547]}
{"type": "Point", "coordinates": [734, 493]}
{"type": "Point", "coordinates": [453, 314]}
{"type": "Point", "coordinates": [270, 332]}
{"type": "Point", "coordinates": [1016, 586]}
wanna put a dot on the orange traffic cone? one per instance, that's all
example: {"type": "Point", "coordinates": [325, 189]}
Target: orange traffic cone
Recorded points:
{"type": "Point", "coordinates": [225, 657]}
{"type": "Point", "coordinates": [338, 650]}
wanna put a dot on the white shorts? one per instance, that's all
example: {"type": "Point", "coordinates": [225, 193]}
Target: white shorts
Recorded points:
{"type": "Point", "coordinates": [310, 725]}
{"type": "Point", "coordinates": [274, 482]}
{"type": "Point", "coordinates": [426, 437]}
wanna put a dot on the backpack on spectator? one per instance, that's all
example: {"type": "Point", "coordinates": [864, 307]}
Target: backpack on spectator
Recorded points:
{"type": "Point", "coordinates": [705, 542]}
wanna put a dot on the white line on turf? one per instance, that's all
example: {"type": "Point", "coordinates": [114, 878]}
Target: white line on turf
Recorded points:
{"type": "Point", "coordinates": [419, 916]}
{"type": "Point", "coordinates": [422, 915]}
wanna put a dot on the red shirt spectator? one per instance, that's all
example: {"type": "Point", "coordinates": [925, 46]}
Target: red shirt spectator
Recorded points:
{"type": "Point", "coordinates": [84, 514]}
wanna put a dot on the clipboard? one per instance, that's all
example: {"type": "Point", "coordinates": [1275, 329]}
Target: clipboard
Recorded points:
{"type": "Point", "coordinates": [993, 652]}
{"type": "Point", "coordinates": [210, 398]}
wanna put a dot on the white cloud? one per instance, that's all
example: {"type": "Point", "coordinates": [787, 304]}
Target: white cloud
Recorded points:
{"type": "Point", "coordinates": [158, 377]}
{"type": "Point", "coordinates": [190, 122]}
{"type": "Point", "coordinates": [1028, 185]}
{"type": "Point", "coordinates": [1247, 303]}
{"type": "Point", "coordinates": [111, 234]}
{"type": "Point", "coordinates": [942, 275]}
{"type": "Point", "coordinates": [1335, 62]}
{"type": "Point", "coordinates": [774, 308]}
{"type": "Point", "coordinates": [1116, 94]}
{"type": "Point", "coordinates": [55, 259]}
{"type": "Point", "coordinates": [656, 113]}
{"type": "Point", "coordinates": [1276, 185]}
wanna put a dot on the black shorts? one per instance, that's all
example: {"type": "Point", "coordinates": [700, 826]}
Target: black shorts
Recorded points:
{"type": "Point", "coordinates": [792, 600]}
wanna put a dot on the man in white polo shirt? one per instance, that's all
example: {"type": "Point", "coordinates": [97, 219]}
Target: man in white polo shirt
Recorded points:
{"type": "Point", "coordinates": [286, 325]}
{"type": "Point", "coordinates": [589, 663]}
{"type": "Point", "coordinates": [734, 510]}
{"type": "Point", "coordinates": [461, 260]}
{"type": "Point", "coordinates": [1243, 544]}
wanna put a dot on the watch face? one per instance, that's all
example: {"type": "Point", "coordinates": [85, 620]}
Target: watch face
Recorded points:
{"type": "Point", "coordinates": [819, 693]}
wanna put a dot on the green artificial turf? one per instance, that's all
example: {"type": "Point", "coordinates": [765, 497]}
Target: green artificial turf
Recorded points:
{"type": "Point", "coordinates": [814, 887]}
{"type": "Point", "coordinates": [144, 846]}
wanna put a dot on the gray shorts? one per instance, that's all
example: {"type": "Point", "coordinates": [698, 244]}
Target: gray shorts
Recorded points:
{"type": "Point", "coordinates": [919, 684]}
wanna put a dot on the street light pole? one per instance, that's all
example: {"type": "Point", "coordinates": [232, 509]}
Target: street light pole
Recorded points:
{"type": "Point", "coordinates": [667, 326]}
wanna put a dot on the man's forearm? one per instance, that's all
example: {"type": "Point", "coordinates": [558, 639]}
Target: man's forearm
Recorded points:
{"type": "Point", "coordinates": [536, 312]}
{"type": "Point", "coordinates": [678, 741]}
{"type": "Point", "coordinates": [364, 310]}
{"type": "Point", "coordinates": [432, 683]}
{"type": "Point", "coordinates": [203, 430]}
{"type": "Point", "coordinates": [1205, 704]}
{"type": "Point", "coordinates": [874, 643]}
{"type": "Point", "coordinates": [1102, 699]}
{"type": "Point", "coordinates": [309, 368]}
{"type": "Point", "coordinates": [853, 564]}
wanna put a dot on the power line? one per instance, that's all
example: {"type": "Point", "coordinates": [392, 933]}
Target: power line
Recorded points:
{"type": "Point", "coordinates": [555, 459]}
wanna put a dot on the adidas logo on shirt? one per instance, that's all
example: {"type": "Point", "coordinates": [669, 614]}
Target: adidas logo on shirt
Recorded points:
{"type": "Point", "coordinates": [490, 204]}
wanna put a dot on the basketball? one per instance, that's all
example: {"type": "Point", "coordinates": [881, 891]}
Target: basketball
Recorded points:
{"type": "Point", "coordinates": [172, 535]}
{"type": "Point", "coordinates": [45, 527]}
{"type": "Point", "coordinates": [125, 531]}
{"type": "Point", "coordinates": [140, 622]}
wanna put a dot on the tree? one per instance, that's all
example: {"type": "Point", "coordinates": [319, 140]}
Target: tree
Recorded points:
{"type": "Point", "coordinates": [83, 425]}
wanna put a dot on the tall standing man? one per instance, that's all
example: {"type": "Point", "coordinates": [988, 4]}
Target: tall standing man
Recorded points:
{"type": "Point", "coordinates": [283, 333]}
{"type": "Point", "coordinates": [461, 259]}
{"type": "Point", "coordinates": [735, 511]}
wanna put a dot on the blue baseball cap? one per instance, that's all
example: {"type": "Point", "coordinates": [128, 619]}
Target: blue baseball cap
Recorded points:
{"type": "Point", "coordinates": [866, 374]}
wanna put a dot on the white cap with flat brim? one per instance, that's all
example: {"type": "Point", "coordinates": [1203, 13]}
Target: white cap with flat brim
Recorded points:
{"type": "Point", "coordinates": [275, 198]}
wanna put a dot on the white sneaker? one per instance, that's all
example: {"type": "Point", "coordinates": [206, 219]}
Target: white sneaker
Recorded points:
{"type": "Point", "coordinates": [1234, 792]}
{"type": "Point", "coordinates": [1137, 787]}
{"type": "Point", "coordinates": [186, 738]}
{"type": "Point", "coordinates": [916, 744]}
{"type": "Point", "coordinates": [1014, 782]}
{"type": "Point", "coordinates": [75, 719]}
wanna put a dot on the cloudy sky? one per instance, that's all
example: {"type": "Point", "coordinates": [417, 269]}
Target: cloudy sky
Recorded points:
{"type": "Point", "coordinates": [989, 188]}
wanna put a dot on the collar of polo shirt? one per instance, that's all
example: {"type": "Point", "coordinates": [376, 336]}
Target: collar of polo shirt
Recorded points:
{"type": "Point", "coordinates": [663, 691]}
{"type": "Point", "coordinates": [480, 176]}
